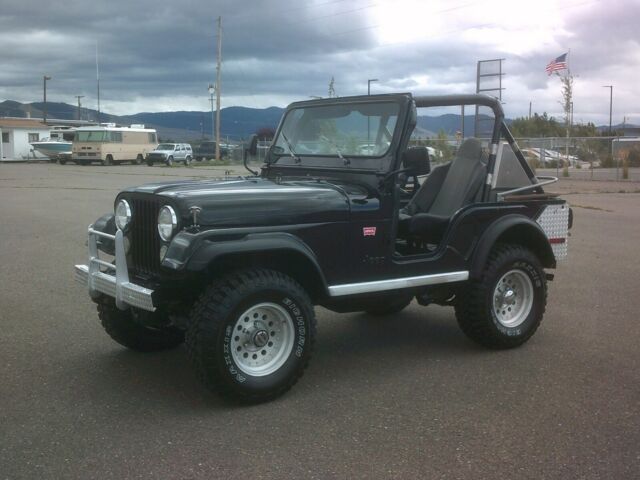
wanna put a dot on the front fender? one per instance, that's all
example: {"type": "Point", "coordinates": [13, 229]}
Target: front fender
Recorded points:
{"type": "Point", "coordinates": [196, 251]}
{"type": "Point", "coordinates": [513, 229]}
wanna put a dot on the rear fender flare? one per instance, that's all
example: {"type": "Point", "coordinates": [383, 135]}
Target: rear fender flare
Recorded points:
{"type": "Point", "coordinates": [512, 229]}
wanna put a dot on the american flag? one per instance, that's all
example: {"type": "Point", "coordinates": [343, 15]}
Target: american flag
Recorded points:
{"type": "Point", "coordinates": [559, 63]}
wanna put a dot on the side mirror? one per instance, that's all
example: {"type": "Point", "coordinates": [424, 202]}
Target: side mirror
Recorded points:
{"type": "Point", "coordinates": [416, 161]}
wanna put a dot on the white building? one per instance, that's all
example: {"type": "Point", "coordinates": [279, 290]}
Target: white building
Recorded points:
{"type": "Point", "coordinates": [16, 133]}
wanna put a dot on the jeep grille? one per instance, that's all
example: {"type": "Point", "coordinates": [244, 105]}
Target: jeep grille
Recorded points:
{"type": "Point", "coordinates": [145, 242]}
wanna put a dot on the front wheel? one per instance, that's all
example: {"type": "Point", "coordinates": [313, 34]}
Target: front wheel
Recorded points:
{"type": "Point", "coordinates": [251, 334]}
{"type": "Point", "coordinates": [504, 307]}
{"type": "Point", "coordinates": [128, 328]}
{"type": "Point", "coordinates": [169, 161]}
{"type": "Point", "coordinates": [187, 161]}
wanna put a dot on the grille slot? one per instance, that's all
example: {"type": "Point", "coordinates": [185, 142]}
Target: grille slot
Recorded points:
{"type": "Point", "coordinates": [145, 242]}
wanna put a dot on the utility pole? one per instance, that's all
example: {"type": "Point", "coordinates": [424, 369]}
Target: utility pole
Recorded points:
{"type": "Point", "coordinates": [212, 90]}
{"type": "Point", "coordinates": [529, 110]}
{"type": "Point", "coordinates": [98, 82]}
{"type": "Point", "coordinates": [610, 87]}
{"type": "Point", "coordinates": [79, 106]}
{"type": "Point", "coordinates": [218, 85]}
{"type": "Point", "coordinates": [45, 78]}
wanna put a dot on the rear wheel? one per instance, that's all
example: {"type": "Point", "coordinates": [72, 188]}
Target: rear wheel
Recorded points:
{"type": "Point", "coordinates": [108, 161]}
{"type": "Point", "coordinates": [251, 334]}
{"type": "Point", "coordinates": [139, 159]}
{"type": "Point", "coordinates": [126, 327]}
{"type": "Point", "coordinates": [504, 307]}
{"type": "Point", "coordinates": [187, 161]}
{"type": "Point", "coordinates": [62, 161]}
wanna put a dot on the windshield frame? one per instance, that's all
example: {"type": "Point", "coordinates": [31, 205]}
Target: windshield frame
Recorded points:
{"type": "Point", "coordinates": [344, 161]}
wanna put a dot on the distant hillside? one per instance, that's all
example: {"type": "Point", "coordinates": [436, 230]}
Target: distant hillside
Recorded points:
{"type": "Point", "coordinates": [236, 122]}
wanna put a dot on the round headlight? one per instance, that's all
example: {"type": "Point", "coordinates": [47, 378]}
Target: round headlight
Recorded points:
{"type": "Point", "coordinates": [167, 222]}
{"type": "Point", "coordinates": [123, 214]}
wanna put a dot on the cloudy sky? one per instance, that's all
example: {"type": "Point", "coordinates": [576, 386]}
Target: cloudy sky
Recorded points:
{"type": "Point", "coordinates": [158, 56]}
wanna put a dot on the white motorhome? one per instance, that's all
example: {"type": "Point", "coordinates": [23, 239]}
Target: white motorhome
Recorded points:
{"type": "Point", "coordinates": [111, 144]}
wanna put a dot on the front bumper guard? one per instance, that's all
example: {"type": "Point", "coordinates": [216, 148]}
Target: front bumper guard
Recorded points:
{"type": "Point", "coordinates": [127, 294]}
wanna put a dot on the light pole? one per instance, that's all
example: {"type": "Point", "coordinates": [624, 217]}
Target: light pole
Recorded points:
{"type": "Point", "coordinates": [369, 84]}
{"type": "Point", "coordinates": [45, 78]}
{"type": "Point", "coordinates": [610, 87]}
{"type": "Point", "coordinates": [79, 106]}
{"type": "Point", "coordinates": [212, 90]}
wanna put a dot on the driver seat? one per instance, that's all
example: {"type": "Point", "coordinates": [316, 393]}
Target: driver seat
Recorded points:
{"type": "Point", "coordinates": [445, 191]}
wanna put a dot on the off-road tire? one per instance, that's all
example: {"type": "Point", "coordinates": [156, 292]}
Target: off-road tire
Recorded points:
{"type": "Point", "coordinates": [474, 303]}
{"type": "Point", "coordinates": [390, 307]}
{"type": "Point", "coordinates": [213, 324]}
{"type": "Point", "coordinates": [121, 326]}
{"type": "Point", "coordinates": [169, 161]}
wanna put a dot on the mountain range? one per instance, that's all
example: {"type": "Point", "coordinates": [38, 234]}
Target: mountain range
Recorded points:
{"type": "Point", "coordinates": [235, 122]}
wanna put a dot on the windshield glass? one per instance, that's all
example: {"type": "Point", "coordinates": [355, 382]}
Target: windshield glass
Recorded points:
{"type": "Point", "coordinates": [347, 130]}
{"type": "Point", "coordinates": [92, 136]}
{"type": "Point", "coordinates": [165, 146]}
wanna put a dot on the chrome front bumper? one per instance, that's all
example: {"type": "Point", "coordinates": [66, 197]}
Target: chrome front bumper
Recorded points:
{"type": "Point", "coordinates": [118, 286]}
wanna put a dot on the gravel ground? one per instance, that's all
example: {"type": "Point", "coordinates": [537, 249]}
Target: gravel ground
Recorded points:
{"type": "Point", "coordinates": [402, 397]}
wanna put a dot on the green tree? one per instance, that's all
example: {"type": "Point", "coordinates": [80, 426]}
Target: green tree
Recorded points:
{"type": "Point", "coordinates": [536, 126]}
{"type": "Point", "coordinates": [442, 144]}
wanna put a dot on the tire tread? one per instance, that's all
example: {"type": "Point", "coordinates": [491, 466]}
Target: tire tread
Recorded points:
{"type": "Point", "coordinates": [208, 318]}
{"type": "Point", "coordinates": [470, 307]}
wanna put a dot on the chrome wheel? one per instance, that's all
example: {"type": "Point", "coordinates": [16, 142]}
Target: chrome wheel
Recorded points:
{"type": "Point", "coordinates": [513, 298]}
{"type": "Point", "coordinates": [262, 339]}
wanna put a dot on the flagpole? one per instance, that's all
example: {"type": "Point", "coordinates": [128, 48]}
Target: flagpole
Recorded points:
{"type": "Point", "coordinates": [567, 76]}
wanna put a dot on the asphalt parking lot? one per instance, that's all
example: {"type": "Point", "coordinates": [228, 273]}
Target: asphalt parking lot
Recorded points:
{"type": "Point", "coordinates": [402, 397]}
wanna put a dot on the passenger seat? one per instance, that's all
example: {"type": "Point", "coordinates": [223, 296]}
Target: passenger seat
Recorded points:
{"type": "Point", "coordinates": [445, 191]}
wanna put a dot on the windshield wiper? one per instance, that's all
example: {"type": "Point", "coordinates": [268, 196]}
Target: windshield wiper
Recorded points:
{"type": "Point", "coordinates": [292, 153]}
{"type": "Point", "coordinates": [346, 161]}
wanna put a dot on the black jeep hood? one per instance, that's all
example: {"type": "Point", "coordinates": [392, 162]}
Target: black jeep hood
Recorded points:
{"type": "Point", "coordinates": [251, 201]}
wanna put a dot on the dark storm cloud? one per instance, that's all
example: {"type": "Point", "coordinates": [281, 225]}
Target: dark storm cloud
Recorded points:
{"type": "Point", "coordinates": [151, 49]}
{"type": "Point", "coordinates": [156, 56]}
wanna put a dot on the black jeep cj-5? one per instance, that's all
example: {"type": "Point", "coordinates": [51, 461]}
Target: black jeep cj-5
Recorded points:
{"type": "Point", "coordinates": [337, 217]}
